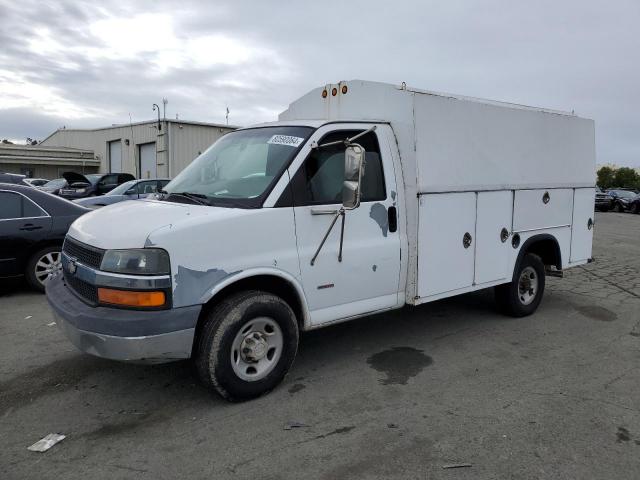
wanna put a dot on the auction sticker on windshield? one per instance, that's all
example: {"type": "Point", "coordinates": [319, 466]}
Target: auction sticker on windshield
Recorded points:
{"type": "Point", "coordinates": [286, 140]}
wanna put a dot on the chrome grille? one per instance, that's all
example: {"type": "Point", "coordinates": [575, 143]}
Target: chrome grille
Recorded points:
{"type": "Point", "coordinates": [86, 254]}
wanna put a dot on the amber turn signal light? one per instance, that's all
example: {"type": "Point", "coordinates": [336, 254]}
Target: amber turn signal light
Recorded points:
{"type": "Point", "coordinates": [131, 298]}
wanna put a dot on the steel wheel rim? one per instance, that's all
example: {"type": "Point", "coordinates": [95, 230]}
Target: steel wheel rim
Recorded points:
{"type": "Point", "coordinates": [527, 285]}
{"type": "Point", "coordinates": [256, 349]}
{"type": "Point", "coordinates": [47, 266]}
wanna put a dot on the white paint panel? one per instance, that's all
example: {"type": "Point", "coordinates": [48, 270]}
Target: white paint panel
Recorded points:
{"type": "Point", "coordinates": [367, 278]}
{"type": "Point", "coordinates": [492, 254]}
{"type": "Point", "coordinates": [148, 164]}
{"type": "Point", "coordinates": [531, 213]}
{"type": "Point", "coordinates": [443, 262]}
{"type": "Point", "coordinates": [115, 156]}
{"type": "Point", "coordinates": [581, 234]}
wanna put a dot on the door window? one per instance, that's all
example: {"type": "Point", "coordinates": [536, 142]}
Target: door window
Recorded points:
{"type": "Point", "coordinates": [146, 188]}
{"type": "Point", "coordinates": [319, 180]}
{"type": "Point", "coordinates": [13, 205]}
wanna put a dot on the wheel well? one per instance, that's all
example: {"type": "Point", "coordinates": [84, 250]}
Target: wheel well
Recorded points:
{"type": "Point", "coordinates": [265, 283]}
{"type": "Point", "coordinates": [546, 247]}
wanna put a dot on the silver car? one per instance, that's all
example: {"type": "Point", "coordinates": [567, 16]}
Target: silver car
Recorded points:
{"type": "Point", "coordinates": [131, 190]}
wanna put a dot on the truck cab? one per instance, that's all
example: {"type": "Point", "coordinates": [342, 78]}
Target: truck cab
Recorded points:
{"type": "Point", "coordinates": [295, 225]}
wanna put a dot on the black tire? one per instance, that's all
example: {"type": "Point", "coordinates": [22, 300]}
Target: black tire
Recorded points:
{"type": "Point", "coordinates": [30, 271]}
{"type": "Point", "coordinates": [619, 208]}
{"type": "Point", "coordinates": [509, 297]}
{"type": "Point", "coordinates": [222, 325]}
{"type": "Point", "coordinates": [635, 208]}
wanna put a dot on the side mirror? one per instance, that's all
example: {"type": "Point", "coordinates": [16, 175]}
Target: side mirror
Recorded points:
{"type": "Point", "coordinates": [353, 169]}
{"type": "Point", "coordinates": [131, 191]}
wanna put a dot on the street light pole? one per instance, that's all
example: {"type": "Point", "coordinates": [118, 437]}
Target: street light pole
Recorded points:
{"type": "Point", "coordinates": [157, 108]}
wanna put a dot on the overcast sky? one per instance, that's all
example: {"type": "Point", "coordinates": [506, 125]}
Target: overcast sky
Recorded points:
{"type": "Point", "coordinates": [92, 64]}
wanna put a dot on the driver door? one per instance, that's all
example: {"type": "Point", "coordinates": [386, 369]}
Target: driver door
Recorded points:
{"type": "Point", "coordinates": [367, 278]}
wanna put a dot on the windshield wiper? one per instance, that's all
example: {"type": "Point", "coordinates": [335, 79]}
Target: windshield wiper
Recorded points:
{"type": "Point", "coordinates": [198, 198]}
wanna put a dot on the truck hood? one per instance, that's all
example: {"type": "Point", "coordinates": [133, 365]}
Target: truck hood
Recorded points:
{"type": "Point", "coordinates": [128, 224]}
{"type": "Point", "coordinates": [73, 177]}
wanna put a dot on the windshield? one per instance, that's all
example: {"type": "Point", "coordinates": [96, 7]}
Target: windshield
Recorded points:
{"type": "Point", "coordinates": [241, 166]}
{"type": "Point", "coordinates": [94, 177]}
{"type": "Point", "coordinates": [624, 193]}
{"type": "Point", "coordinates": [120, 189]}
{"type": "Point", "coordinates": [57, 183]}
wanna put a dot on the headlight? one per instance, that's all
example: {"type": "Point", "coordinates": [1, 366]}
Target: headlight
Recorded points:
{"type": "Point", "coordinates": [81, 190]}
{"type": "Point", "coordinates": [142, 261]}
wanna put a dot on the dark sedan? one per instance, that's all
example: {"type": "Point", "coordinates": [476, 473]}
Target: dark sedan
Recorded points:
{"type": "Point", "coordinates": [33, 225]}
{"type": "Point", "coordinates": [83, 186]}
{"type": "Point", "coordinates": [623, 200]}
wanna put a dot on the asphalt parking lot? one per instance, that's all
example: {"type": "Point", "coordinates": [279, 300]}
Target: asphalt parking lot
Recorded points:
{"type": "Point", "coordinates": [399, 395]}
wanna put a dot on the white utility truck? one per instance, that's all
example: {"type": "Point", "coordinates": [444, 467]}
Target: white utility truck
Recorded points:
{"type": "Point", "coordinates": [361, 198]}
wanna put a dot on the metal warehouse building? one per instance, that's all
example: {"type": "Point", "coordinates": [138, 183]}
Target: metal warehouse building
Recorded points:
{"type": "Point", "coordinates": [45, 162]}
{"type": "Point", "coordinates": [145, 149]}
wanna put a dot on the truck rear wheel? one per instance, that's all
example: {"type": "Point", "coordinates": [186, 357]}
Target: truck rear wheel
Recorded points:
{"type": "Point", "coordinates": [246, 345]}
{"type": "Point", "coordinates": [522, 296]}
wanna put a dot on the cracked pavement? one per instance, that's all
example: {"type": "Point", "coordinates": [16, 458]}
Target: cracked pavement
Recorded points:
{"type": "Point", "coordinates": [397, 395]}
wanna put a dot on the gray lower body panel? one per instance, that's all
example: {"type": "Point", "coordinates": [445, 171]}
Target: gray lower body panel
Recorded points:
{"type": "Point", "coordinates": [119, 334]}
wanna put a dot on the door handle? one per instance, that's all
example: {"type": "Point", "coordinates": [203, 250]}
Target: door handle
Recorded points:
{"type": "Point", "coordinates": [29, 227]}
{"type": "Point", "coordinates": [324, 211]}
{"type": "Point", "coordinates": [393, 218]}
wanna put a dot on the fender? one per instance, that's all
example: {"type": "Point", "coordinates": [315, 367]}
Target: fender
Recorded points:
{"type": "Point", "coordinates": [253, 272]}
{"type": "Point", "coordinates": [533, 240]}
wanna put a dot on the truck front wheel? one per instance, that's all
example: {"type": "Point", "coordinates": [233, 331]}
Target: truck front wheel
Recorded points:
{"type": "Point", "coordinates": [246, 345]}
{"type": "Point", "coordinates": [522, 296]}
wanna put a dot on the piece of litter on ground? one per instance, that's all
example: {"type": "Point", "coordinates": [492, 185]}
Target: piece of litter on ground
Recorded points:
{"type": "Point", "coordinates": [457, 465]}
{"type": "Point", "coordinates": [46, 443]}
{"type": "Point", "coordinates": [392, 425]}
{"type": "Point", "coordinates": [51, 324]}
{"type": "Point", "coordinates": [28, 317]}
{"type": "Point", "coordinates": [292, 425]}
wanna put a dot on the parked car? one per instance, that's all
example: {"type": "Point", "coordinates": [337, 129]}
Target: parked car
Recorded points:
{"type": "Point", "coordinates": [54, 186]}
{"type": "Point", "coordinates": [131, 190]}
{"type": "Point", "coordinates": [33, 224]}
{"type": "Point", "coordinates": [13, 178]}
{"type": "Point", "coordinates": [83, 186]}
{"type": "Point", "coordinates": [623, 200]}
{"type": "Point", "coordinates": [36, 182]}
{"type": "Point", "coordinates": [634, 205]}
{"type": "Point", "coordinates": [604, 201]}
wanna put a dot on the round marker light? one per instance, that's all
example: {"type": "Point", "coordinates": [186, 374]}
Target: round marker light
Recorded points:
{"type": "Point", "coordinates": [344, 89]}
{"type": "Point", "coordinates": [334, 91]}
{"type": "Point", "coordinates": [324, 93]}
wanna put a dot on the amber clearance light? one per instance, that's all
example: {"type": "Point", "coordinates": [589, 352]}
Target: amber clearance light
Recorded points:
{"type": "Point", "coordinates": [131, 298]}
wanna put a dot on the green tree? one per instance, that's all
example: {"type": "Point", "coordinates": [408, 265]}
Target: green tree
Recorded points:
{"type": "Point", "coordinates": [626, 177]}
{"type": "Point", "coordinates": [606, 177]}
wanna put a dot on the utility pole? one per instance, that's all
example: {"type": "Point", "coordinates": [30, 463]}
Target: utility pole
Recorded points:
{"type": "Point", "coordinates": [227, 115]}
{"type": "Point", "coordinates": [164, 108]}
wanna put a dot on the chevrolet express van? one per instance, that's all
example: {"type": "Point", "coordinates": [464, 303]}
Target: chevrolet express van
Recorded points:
{"type": "Point", "coordinates": [363, 197]}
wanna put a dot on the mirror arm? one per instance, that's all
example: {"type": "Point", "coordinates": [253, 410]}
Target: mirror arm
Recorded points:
{"type": "Point", "coordinates": [326, 235]}
{"type": "Point", "coordinates": [341, 237]}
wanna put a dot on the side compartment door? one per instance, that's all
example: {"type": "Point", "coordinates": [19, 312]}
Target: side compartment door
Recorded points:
{"type": "Point", "coordinates": [582, 224]}
{"type": "Point", "coordinates": [493, 225]}
{"type": "Point", "coordinates": [446, 236]}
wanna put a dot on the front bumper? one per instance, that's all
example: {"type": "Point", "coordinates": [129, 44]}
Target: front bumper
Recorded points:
{"type": "Point", "coordinates": [118, 334]}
